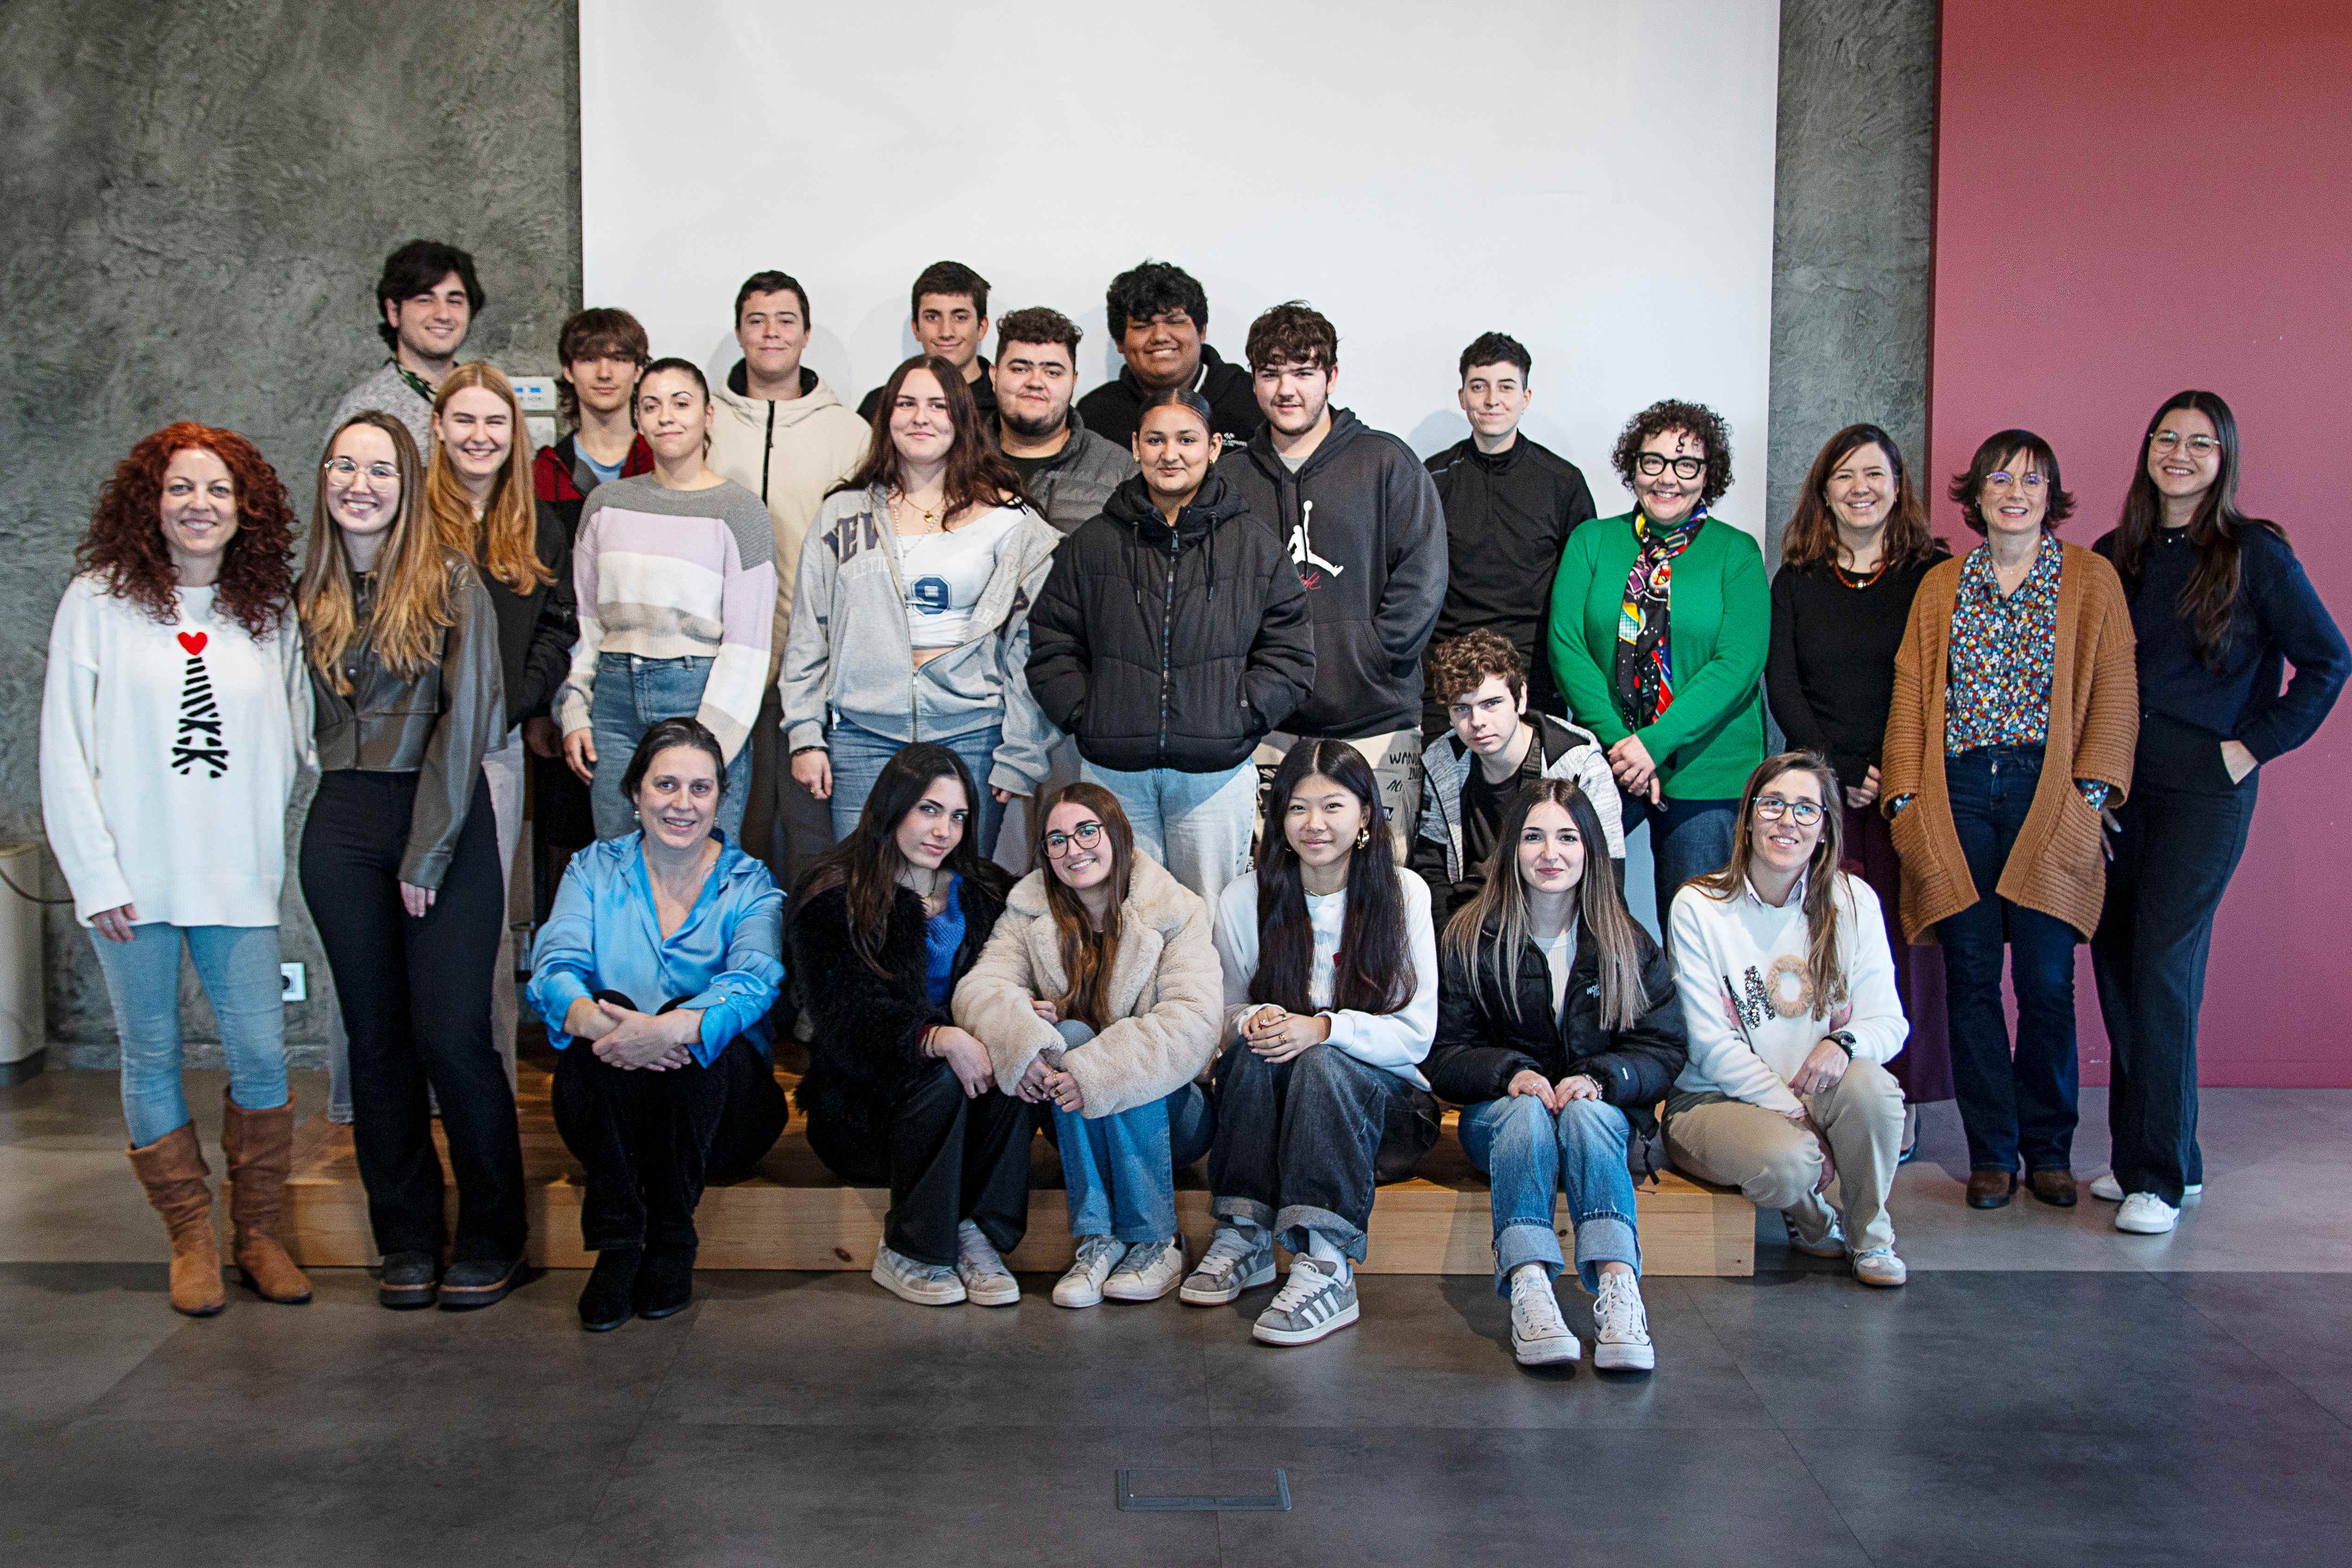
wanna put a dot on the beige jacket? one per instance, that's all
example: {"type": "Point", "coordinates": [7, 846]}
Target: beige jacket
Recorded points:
{"type": "Point", "coordinates": [1166, 994]}
{"type": "Point", "coordinates": [789, 455]}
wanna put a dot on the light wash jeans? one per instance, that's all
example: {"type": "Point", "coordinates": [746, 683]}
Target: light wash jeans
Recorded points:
{"type": "Point", "coordinates": [1197, 825]}
{"type": "Point", "coordinates": [1120, 1170]}
{"type": "Point", "coordinates": [858, 756]}
{"type": "Point", "coordinates": [238, 968]}
{"type": "Point", "coordinates": [631, 696]}
{"type": "Point", "coordinates": [1528, 1155]}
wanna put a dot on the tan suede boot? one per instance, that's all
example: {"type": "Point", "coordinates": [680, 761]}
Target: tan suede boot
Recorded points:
{"type": "Point", "coordinates": [260, 1148]}
{"type": "Point", "coordinates": [172, 1171]}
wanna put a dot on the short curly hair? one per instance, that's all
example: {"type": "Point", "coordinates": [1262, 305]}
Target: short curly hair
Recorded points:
{"type": "Point", "coordinates": [1696, 420]}
{"type": "Point", "coordinates": [1461, 663]}
{"type": "Point", "coordinates": [1292, 332]}
{"type": "Point", "coordinates": [125, 544]}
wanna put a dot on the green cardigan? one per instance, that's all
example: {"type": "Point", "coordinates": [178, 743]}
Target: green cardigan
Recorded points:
{"type": "Point", "coordinates": [1712, 736]}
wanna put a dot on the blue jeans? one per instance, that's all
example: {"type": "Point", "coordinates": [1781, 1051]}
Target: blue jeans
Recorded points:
{"type": "Point", "coordinates": [2023, 1103]}
{"type": "Point", "coordinates": [1120, 1170]}
{"type": "Point", "coordinates": [631, 696]}
{"type": "Point", "coordinates": [858, 755]}
{"type": "Point", "coordinates": [1528, 1154]}
{"type": "Point", "coordinates": [1197, 825]}
{"type": "Point", "coordinates": [239, 967]}
{"type": "Point", "coordinates": [1687, 838]}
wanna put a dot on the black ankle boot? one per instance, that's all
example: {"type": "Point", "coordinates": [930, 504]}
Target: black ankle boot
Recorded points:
{"type": "Point", "coordinates": [608, 1298]}
{"type": "Point", "coordinates": [666, 1285]}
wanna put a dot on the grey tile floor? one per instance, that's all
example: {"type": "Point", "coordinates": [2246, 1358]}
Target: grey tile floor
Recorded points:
{"type": "Point", "coordinates": [2044, 1392]}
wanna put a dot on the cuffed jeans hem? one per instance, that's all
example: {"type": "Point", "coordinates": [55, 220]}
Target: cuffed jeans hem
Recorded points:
{"type": "Point", "coordinates": [1524, 1241]}
{"type": "Point", "coordinates": [1291, 1225]}
{"type": "Point", "coordinates": [1247, 1210]}
{"type": "Point", "coordinates": [1605, 1238]}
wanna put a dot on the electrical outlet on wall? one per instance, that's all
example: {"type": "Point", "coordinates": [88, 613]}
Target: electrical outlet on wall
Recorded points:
{"type": "Point", "coordinates": [537, 396]}
{"type": "Point", "coordinates": [292, 986]}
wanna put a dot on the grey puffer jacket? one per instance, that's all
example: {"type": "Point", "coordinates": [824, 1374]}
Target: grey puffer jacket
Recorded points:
{"type": "Point", "coordinates": [1074, 485]}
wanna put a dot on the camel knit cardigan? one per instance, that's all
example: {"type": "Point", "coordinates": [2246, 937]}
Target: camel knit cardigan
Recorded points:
{"type": "Point", "coordinates": [2058, 864]}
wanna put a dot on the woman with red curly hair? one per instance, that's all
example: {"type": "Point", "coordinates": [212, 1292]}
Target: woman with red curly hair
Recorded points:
{"type": "Point", "coordinates": [175, 717]}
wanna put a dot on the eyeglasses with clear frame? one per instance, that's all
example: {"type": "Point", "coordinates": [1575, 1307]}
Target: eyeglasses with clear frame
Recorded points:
{"type": "Point", "coordinates": [1804, 813]}
{"type": "Point", "coordinates": [2165, 442]}
{"type": "Point", "coordinates": [342, 473]}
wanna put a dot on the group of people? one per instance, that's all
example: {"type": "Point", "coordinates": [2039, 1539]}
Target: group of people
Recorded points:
{"type": "Point", "coordinates": [1185, 769]}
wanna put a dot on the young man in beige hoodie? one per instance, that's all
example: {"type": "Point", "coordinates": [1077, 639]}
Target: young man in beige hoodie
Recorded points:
{"type": "Point", "coordinates": [778, 430]}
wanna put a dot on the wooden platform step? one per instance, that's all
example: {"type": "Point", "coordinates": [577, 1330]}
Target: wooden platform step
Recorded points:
{"type": "Point", "coordinates": [794, 1214]}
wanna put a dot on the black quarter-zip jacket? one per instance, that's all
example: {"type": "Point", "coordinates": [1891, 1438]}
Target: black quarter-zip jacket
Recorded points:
{"type": "Point", "coordinates": [1508, 518]}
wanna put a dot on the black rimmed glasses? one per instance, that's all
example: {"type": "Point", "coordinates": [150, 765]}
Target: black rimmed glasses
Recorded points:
{"type": "Point", "coordinates": [1772, 808]}
{"type": "Point", "coordinates": [1657, 463]}
{"type": "Point", "coordinates": [1086, 835]}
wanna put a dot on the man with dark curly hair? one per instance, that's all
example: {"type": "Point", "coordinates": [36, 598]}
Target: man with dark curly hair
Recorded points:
{"type": "Point", "coordinates": [1367, 536]}
{"type": "Point", "coordinates": [1069, 468]}
{"type": "Point", "coordinates": [1158, 315]}
{"type": "Point", "coordinates": [426, 303]}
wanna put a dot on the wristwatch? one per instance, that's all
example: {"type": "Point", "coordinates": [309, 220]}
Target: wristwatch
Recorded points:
{"type": "Point", "coordinates": [1844, 1039]}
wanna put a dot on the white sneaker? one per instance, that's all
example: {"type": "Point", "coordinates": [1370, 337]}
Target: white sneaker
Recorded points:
{"type": "Point", "coordinates": [1313, 1302]}
{"type": "Point", "coordinates": [1149, 1270]}
{"type": "Point", "coordinates": [985, 1279]}
{"type": "Point", "coordinates": [1082, 1285]}
{"type": "Point", "coordinates": [2145, 1214]}
{"type": "Point", "coordinates": [1540, 1335]}
{"type": "Point", "coordinates": [924, 1284]}
{"type": "Point", "coordinates": [1878, 1265]}
{"type": "Point", "coordinates": [1237, 1260]}
{"type": "Point", "coordinates": [2106, 1189]}
{"type": "Point", "coordinates": [1621, 1340]}
{"type": "Point", "coordinates": [1831, 1245]}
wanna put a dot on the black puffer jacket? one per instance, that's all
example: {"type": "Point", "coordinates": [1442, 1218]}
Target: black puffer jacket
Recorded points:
{"type": "Point", "coordinates": [1480, 1046]}
{"type": "Point", "coordinates": [869, 1028]}
{"type": "Point", "coordinates": [1160, 647]}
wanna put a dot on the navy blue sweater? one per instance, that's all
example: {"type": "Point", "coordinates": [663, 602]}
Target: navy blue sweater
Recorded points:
{"type": "Point", "coordinates": [2277, 620]}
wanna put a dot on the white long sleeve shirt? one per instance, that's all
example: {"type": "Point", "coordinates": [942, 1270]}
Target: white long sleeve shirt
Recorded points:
{"type": "Point", "coordinates": [1394, 1042]}
{"type": "Point", "coordinates": [169, 753]}
{"type": "Point", "coordinates": [1739, 969]}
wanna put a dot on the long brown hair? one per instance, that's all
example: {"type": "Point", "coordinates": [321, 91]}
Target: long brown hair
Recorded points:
{"type": "Point", "coordinates": [505, 544]}
{"type": "Point", "coordinates": [977, 474]}
{"type": "Point", "coordinates": [867, 863]}
{"type": "Point", "coordinates": [1373, 971]}
{"type": "Point", "coordinates": [1825, 964]}
{"type": "Point", "coordinates": [125, 544]}
{"type": "Point", "coordinates": [1812, 534]}
{"type": "Point", "coordinates": [1088, 954]}
{"type": "Point", "coordinates": [1496, 923]}
{"type": "Point", "coordinates": [2211, 591]}
{"type": "Point", "coordinates": [412, 604]}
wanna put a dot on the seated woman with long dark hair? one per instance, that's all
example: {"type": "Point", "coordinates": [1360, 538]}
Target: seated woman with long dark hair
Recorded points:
{"type": "Point", "coordinates": [655, 973]}
{"type": "Point", "coordinates": [1100, 996]}
{"type": "Point", "coordinates": [1330, 968]}
{"type": "Point", "coordinates": [1557, 1030]}
{"type": "Point", "coordinates": [883, 929]}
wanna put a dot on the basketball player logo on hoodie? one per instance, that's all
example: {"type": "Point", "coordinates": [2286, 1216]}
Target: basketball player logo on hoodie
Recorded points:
{"type": "Point", "coordinates": [199, 740]}
{"type": "Point", "coordinates": [1302, 550]}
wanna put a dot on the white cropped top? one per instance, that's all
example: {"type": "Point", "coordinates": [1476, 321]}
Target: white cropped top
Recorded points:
{"type": "Point", "coordinates": [945, 574]}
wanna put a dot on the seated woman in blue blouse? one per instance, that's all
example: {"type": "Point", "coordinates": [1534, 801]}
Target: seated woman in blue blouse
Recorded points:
{"type": "Point", "coordinates": [655, 973]}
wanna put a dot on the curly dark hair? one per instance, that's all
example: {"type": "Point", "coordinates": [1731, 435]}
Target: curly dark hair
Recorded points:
{"type": "Point", "coordinates": [1152, 288]}
{"type": "Point", "coordinates": [1460, 665]}
{"type": "Point", "coordinates": [1292, 332]}
{"type": "Point", "coordinates": [1703, 424]}
{"type": "Point", "coordinates": [125, 543]}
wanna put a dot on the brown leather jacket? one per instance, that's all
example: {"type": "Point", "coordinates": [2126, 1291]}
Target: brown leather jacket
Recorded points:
{"type": "Point", "coordinates": [436, 725]}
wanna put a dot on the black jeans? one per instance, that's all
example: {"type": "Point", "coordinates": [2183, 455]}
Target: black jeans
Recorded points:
{"type": "Point", "coordinates": [1302, 1143]}
{"type": "Point", "coordinates": [2025, 1101]}
{"type": "Point", "coordinates": [947, 1159]}
{"type": "Point", "coordinates": [2173, 862]}
{"type": "Point", "coordinates": [416, 997]}
{"type": "Point", "coordinates": [651, 1141]}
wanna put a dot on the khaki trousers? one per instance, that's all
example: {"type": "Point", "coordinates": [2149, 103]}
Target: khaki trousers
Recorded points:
{"type": "Point", "coordinates": [1776, 1164]}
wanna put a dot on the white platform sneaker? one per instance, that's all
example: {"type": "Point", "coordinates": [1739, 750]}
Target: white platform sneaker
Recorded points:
{"type": "Point", "coordinates": [1540, 1335]}
{"type": "Point", "coordinates": [1148, 1271]}
{"type": "Point", "coordinates": [1081, 1285]}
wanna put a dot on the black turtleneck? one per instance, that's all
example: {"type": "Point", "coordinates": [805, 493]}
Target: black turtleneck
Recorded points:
{"type": "Point", "coordinates": [1508, 518]}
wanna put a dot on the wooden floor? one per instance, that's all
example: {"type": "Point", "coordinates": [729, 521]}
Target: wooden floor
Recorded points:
{"type": "Point", "coordinates": [794, 1214]}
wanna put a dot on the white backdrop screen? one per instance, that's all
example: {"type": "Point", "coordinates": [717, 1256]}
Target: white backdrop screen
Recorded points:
{"type": "Point", "coordinates": [1592, 176]}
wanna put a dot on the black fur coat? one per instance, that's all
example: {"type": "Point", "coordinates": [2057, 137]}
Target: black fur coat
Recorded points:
{"type": "Point", "coordinates": [869, 1026]}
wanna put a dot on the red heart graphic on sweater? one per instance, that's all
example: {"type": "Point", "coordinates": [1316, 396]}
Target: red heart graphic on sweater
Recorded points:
{"type": "Point", "coordinates": [193, 641]}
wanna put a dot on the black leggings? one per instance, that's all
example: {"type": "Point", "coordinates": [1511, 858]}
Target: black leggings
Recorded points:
{"type": "Point", "coordinates": [650, 1141]}
{"type": "Point", "coordinates": [415, 995]}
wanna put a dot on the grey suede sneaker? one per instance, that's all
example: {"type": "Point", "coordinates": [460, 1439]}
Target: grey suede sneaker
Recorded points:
{"type": "Point", "coordinates": [1313, 1302]}
{"type": "Point", "coordinates": [1237, 1260]}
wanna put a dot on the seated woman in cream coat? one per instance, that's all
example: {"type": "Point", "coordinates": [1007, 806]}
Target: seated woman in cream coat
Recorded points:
{"type": "Point", "coordinates": [1099, 994]}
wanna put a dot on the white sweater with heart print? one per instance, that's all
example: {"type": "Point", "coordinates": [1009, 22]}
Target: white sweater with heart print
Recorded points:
{"type": "Point", "coordinates": [169, 752]}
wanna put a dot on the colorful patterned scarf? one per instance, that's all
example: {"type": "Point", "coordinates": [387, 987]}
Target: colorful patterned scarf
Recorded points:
{"type": "Point", "coordinates": [1645, 666]}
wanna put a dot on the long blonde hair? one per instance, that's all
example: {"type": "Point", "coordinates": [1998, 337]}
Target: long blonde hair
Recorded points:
{"type": "Point", "coordinates": [506, 545]}
{"type": "Point", "coordinates": [1825, 964]}
{"type": "Point", "coordinates": [411, 606]}
{"type": "Point", "coordinates": [1498, 917]}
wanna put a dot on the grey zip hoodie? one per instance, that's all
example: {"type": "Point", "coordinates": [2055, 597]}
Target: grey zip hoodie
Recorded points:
{"type": "Point", "coordinates": [848, 651]}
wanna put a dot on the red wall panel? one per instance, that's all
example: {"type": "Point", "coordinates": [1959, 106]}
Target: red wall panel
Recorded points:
{"type": "Point", "coordinates": [2135, 196]}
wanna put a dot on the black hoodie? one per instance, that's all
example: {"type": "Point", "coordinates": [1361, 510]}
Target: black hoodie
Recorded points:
{"type": "Point", "coordinates": [1160, 647]}
{"type": "Point", "coordinates": [1114, 409]}
{"type": "Point", "coordinates": [1366, 530]}
{"type": "Point", "coordinates": [1508, 518]}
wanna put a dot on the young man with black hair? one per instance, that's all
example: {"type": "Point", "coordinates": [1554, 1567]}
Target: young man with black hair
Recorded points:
{"type": "Point", "coordinates": [426, 300]}
{"type": "Point", "coordinates": [1069, 469]}
{"type": "Point", "coordinates": [1159, 314]}
{"type": "Point", "coordinates": [949, 316]}
{"type": "Point", "coordinates": [779, 431]}
{"type": "Point", "coordinates": [1367, 533]}
{"type": "Point", "coordinates": [1509, 507]}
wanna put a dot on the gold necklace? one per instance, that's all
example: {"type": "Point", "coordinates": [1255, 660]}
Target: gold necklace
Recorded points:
{"type": "Point", "coordinates": [899, 497]}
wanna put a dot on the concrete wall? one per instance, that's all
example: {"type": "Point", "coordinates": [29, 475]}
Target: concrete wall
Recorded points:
{"type": "Point", "coordinates": [199, 196]}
